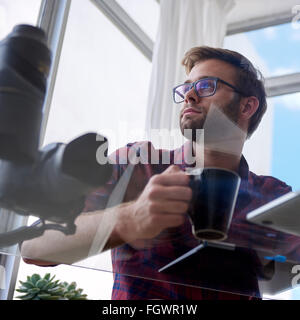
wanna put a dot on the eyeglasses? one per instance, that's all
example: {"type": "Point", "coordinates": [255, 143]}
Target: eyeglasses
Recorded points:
{"type": "Point", "coordinates": [204, 88]}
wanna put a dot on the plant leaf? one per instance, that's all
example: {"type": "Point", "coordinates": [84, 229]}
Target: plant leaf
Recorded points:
{"type": "Point", "coordinates": [52, 278]}
{"type": "Point", "coordinates": [41, 283]}
{"type": "Point", "coordinates": [34, 290]}
{"type": "Point", "coordinates": [35, 278]}
{"type": "Point", "coordinates": [53, 284]}
{"type": "Point", "coordinates": [27, 284]}
{"type": "Point", "coordinates": [47, 286]}
{"type": "Point", "coordinates": [69, 296]}
{"type": "Point", "coordinates": [48, 297]}
{"type": "Point", "coordinates": [72, 286]}
{"type": "Point", "coordinates": [55, 288]}
{"type": "Point", "coordinates": [22, 290]}
{"type": "Point", "coordinates": [56, 291]}
{"type": "Point", "coordinates": [28, 296]}
{"type": "Point", "coordinates": [47, 276]}
{"type": "Point", "coordinates": [43, 295]}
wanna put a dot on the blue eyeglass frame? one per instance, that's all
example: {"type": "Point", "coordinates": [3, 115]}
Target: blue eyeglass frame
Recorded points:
{"type": "Point", "coordinates": [193, 84]}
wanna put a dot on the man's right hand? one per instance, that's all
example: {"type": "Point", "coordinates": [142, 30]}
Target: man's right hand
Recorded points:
{"type": "Point", "coordinates": [161, 205]}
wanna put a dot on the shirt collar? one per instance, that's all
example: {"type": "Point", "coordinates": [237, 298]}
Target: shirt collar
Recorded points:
{"type": "Point", "coordinates": [244, 197]}
{"type": "Point", "coordinates": [244, 172]}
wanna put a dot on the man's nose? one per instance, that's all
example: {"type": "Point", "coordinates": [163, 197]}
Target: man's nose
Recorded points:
{"type": "Point", "coordinates": [191, 96]}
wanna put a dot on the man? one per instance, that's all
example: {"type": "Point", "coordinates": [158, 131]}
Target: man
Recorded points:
{"type": "Point", "coordinates": [151, 227]}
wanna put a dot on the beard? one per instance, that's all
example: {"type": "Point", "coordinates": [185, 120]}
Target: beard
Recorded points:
{"type": "Point", "coordinates": [193, 123]}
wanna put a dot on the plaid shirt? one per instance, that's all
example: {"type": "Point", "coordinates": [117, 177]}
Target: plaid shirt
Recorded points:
{"type": "Point", "coordinates": [229, 275]}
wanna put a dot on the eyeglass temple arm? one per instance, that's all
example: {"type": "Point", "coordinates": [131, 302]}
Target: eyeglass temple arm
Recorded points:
{"type": "Point", "coordinates": [231, 86]}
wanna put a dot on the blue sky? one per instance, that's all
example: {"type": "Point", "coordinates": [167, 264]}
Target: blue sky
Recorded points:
{"type": "Point", "coordinates": [286, 146]}
{"type": "Point", "coordinates": [279, 46]}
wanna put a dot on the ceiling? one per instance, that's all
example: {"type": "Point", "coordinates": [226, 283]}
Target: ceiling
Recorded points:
{"type": "Point", "coordinates": [245, 16]}
{"type": "Point", "coordinates": [254, 14]}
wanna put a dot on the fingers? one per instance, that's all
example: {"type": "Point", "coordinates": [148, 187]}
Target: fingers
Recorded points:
{"type": "Point", "coordinates": [173, 175]}
{"type": "Point", "coordinates": [172, 169]}
{"type": "Point", "coordinates": [162, 204]}
{"type": "Point", "coordinates": [177, 193]}
{"type": "Point", "coordinates": [172, 184]}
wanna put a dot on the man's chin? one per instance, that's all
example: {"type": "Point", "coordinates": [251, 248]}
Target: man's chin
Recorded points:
{"type": "Point", "coordinates": [191, 130]}
{"type": "Point", "coordinates": [192, 124]}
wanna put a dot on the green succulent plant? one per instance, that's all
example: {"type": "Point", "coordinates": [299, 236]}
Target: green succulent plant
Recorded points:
{"type": "Point", "coordinates": [38, 288]}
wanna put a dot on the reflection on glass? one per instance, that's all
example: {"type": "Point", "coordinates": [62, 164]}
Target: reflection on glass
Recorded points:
{"type": "Point", "coordinates": [13, 13]}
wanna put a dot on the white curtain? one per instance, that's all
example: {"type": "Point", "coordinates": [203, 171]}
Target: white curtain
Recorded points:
{"type": "Point", "coordinates": [183, 24]}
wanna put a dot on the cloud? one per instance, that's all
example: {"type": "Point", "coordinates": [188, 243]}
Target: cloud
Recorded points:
{"type": "Point", "coordinates": [295, 35]}
{"type": "Point", "coordinates": [270, 33]}
{"type": "Point", "coordinates": [283, 70]}
{"type": "Point", "coordinates": [289, 101]}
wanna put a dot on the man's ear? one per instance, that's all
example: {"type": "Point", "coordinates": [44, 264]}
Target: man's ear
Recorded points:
{"type": "Point", "coordinates": [248, 107]}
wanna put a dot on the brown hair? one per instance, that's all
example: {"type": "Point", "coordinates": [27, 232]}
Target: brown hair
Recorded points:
{"type": "Point", "coordinates": [249, 79]}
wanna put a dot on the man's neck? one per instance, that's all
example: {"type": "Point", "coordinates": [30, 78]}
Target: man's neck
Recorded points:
{"type": "Point", "coordinates": [218, 159]}
{"type": "Point", "coordinates": [213, 158]}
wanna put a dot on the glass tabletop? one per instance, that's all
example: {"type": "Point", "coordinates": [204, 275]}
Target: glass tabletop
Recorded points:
{"type": "Point", "coordinates": [253, 261]}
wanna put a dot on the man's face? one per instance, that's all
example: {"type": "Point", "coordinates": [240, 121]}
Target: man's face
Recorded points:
{"type": "Point", "coordinates": [195, 109]}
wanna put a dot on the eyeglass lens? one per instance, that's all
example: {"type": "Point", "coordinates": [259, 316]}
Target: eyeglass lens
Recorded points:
{"type": "Point", "coordinates": [204, 87]}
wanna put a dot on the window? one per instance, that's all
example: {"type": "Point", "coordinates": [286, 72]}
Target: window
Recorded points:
{"type": "Point", "coordinates": [144, 13]}
{"type": "Point", "coordinates": [274, 50]}
{"type": "Point", "coordinates": [15, 12]}
{"type": "Point", "coordinates": [286, 136]}
{"type": "Point", "coordinates": [102, 81]}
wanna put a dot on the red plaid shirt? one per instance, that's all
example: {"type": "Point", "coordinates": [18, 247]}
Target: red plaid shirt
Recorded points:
{"type": "Point", "coordinates": [222, 275]}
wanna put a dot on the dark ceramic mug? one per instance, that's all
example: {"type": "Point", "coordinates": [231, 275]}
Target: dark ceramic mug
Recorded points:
{"type": "Point", "coordinates": [214, 196]}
